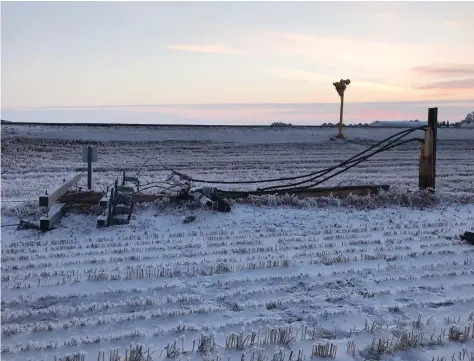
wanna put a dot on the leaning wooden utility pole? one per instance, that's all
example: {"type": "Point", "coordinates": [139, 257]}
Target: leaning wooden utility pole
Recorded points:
{"type": "Point", "coordinates": [341, 86]}
{"type": "Point", "coordinates": [427, 174]}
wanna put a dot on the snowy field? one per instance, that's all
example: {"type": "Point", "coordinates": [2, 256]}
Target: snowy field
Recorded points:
{"type": "Point", "coordinates": [354, 280]}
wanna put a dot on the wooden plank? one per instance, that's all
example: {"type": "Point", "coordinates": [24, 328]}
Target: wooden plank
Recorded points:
{"type": "Point", "coordinates": [49, 200]}
{"type": "Point", "coordinates": [54, 214]}
{"type": "Point", "coordinates": [86, 197]}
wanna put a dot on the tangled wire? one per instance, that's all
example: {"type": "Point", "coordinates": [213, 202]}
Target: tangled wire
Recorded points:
{"type": "Point", "coordinates": [181, 181]}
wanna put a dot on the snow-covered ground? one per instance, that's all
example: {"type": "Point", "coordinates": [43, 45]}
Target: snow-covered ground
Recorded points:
{"type": "Point", "coordinates": [253, 135]}
{"type": "Point", "coordinates": [274, 281]}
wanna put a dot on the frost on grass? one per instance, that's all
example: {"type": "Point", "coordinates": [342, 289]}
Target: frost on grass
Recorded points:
{"type": "Point", "coordinates": [396, 196]}
{"type": "Point", "coordinates": [21, 209]}
{"type": "Point", "coordinates": [358, 278]}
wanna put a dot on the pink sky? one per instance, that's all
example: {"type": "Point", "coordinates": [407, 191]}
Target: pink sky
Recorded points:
{"type": "Point", "coordinates": [268, 53]}
{"type": "Point", "coordinates": [248, 114]}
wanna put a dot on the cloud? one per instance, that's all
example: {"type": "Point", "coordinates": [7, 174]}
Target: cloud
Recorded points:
{"type": "Point", "coordinates": [369, 55]}
{"type": "Point", "coordinates": [383, 15]}
{"type": "Point", "coordinates": [465, 84]}
{"type": "Point", "coordinates": [453, 23]}
{"type": "Point", "coordinates": [212, 49]}
{"type": "Point", "coordinates": [447, 70]}
{"type": "Point", "coordinates": [375, 56]}
{"type": "Point", "coordinates": [300, 75]}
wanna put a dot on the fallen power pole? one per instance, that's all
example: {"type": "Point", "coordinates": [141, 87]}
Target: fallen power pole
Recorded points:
{"type": "Point", "coordinates": [119, 200]}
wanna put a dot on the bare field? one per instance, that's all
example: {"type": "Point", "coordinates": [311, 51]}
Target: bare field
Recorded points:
{"type": "Point", "coordinates": [259, 283]}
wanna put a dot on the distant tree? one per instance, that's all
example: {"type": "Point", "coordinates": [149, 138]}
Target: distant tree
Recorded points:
{"type": "Point", "coordinates": [281, 124]}
{"type": "Point", "coordinates": [469, 118]}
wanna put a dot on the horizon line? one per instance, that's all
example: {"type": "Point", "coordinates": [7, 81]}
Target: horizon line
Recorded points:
{"type": "Point", "coordinates": [233, 104]}
{"type": "Point", "coordinates": [289, 125]}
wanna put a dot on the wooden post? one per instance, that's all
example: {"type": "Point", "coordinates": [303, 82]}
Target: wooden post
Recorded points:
{"type": "Point", "coordinates": [89, 167]}
{"type": "Point", "coordinates": [341, 86]}
{"type": "Point", "coordinates": [110, 206]}
{"type": "Point", "coordinates": [341, 111]}
{"type": "Point", "coordinates": [89, 156]}
{"type": "Point", "coordinates": [427, 171]}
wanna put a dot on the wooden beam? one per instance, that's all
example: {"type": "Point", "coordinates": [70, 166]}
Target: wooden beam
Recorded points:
{"type": "Point", "coordinates": [54, 214]}
{"type": "Point", "coordinates": [49, 200]}
{"type": "Point", "coordinates": [85, 197]}
{"type": "Point", "coordinates": [427, 167]}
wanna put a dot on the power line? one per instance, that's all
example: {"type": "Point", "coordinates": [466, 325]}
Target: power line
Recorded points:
{"type": "Point", "coordinates": [400, 134]}
{"type": "Point", "coordinates": [315, 177]}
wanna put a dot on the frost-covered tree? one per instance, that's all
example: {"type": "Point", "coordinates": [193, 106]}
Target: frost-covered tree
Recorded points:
{"type": "Point", "coordinates": [469, 118]}
{"type": "Point", "coordinates": [281, 124]}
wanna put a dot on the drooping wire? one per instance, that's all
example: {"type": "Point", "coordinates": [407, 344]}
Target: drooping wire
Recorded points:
{"type": "Point", "coordinates": [163, 165]}
{"type": "Point", "coordinates": [289, 188]}
{"type": "Point", "coordinates": [388, 147]}
{"type": "Point", "coordinates": [157, 184]}
{"type": "Point", "coordinates": [349, 163]}
{"type": "Point", "coordinates": [162, 187]}
{"type": "Point", "coordinates": [355, 157]}
{"type": "Point", "coordinates": [353, 160]}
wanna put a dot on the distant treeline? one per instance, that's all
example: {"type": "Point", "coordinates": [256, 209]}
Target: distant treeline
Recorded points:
{"type": "Point", "coordinates": [387, 124]}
